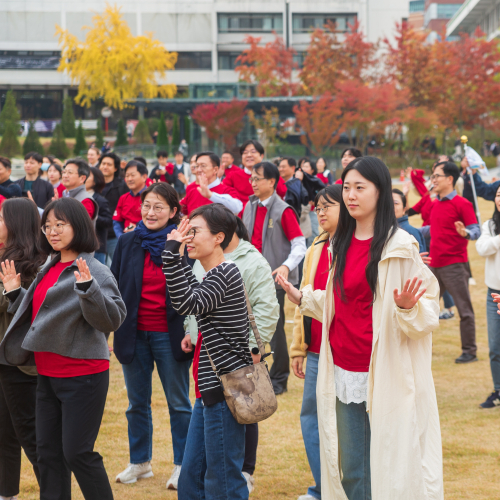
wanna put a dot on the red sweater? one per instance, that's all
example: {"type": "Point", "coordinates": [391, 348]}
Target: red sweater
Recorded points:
{"type": "Point", "coordinates": [195, 199]}
{"type": "Point", "coordinates": [351, 331]}
{"type": "Point", "coordinates": [239, 180]}
{"type": "Point", "coordinates": [447, 246]}
{"type": "Point", "coordinates": [54, 365]}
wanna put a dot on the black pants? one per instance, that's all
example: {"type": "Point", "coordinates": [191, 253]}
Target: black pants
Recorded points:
{"type": "Point", "coordinates": [251, 443]}
{"type": "Point", "coordinates": [68, 416]}
{"type": "Point", "coordinates": [281, 360]}
{"type": "Point", "coordinates": [17, 426]}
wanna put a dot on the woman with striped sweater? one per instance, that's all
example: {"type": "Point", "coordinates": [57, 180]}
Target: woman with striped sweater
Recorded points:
{"type": "Point", "coordinates": [215, 446]}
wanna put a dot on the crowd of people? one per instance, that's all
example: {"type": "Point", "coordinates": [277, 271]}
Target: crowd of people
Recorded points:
{"type": "Point", "coordinates": [179, 260]}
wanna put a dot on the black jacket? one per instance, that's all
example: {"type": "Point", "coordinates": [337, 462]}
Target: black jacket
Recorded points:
{"type": "Point", "coordinates": [104, 221]}
{"type": "Point", "coordinates": [9, 189]}
{"type": "Point", "coordinates": [112, 192]}
{"type": "Point", "coordinates": [128, 268]}
{"type": "Point", "coordinates": [42, 191]}
{"type": "Point", "coordinates": [170, 178]}
{"type": "Point", "coordinates": [296, 195]}
{"type": "Point", "coordinates": [312, 185]}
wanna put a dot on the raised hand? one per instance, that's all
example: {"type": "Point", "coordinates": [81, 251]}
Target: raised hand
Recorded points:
{"type": "Point", "coordinates": [294, 295]}
{"type": "Point", "coordinates": [460, 227]}
{"type": "Point", "coordinates": [11, 280]}
{"type": "Point", "coordinates": [83, 273]}
{"type": "Point", "coordinates": [203, 189]}
{"type": "Point", "coordinates": [409, 295]}
{"type": "Point", "coordinates": [181, 233]}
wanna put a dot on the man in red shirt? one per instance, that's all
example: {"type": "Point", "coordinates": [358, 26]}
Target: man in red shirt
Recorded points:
{"type": "Point", "coordinates": [128, 210]}
{"type": "Point", "coordinates": [452, 223]}
{"type": "Point", "coordinates": [210, 189]}
{"type": "Point", "coordinates": [75, 173]}
{"type": "Point", "coordinates": [274, 230]}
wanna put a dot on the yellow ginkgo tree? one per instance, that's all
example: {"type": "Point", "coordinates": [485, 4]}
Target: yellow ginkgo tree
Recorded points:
{"type": "Point", "coordinates": [113, 64]}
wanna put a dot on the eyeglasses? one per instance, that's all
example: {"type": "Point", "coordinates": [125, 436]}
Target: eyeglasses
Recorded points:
{"type": "Point", "coordinates": [256, 179]}
{"type": "Point", "coordinates": [203, 166]}
{"type": "Point", "coordinates": [323, 209]}
{"type": "Point", "coordinates": [58, 228]}
{"type": "Point", "coordinates": [195, 230]}
{"type": "Point", "coordinates": [157, 209]}
{"type": "Point", "coordinates": [251, 152]}
{"type": "Point", "coordinates": [435, 176]}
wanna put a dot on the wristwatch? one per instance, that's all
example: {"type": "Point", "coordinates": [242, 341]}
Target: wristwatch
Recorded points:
{"type": "Point", "coordinates": [255, 351]}
{"type": "Point", "coordinates": [467, 236]}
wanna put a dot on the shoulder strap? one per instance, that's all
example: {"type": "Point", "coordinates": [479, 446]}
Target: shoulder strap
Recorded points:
{"type": "Point", "coordinates": [251, 318]}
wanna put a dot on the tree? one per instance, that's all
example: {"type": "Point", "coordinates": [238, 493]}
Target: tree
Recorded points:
{"type": "Point", "coordinates": [222, 121]}
{"type": "Point", "coordinates": [10, 143]}
{"type": "Point", "coordinates": [270, 67]}
{"type": "Point", "coordinates": [99, 135]}
{"type": "Point", "coordinates": [121, 134]}
{"type": "Point", "coordinates": [81, 145]}
{"type": "Point", "coordinates": [113, 64]}
{"type": "Point", "coordinates": [321, 122]}
{"type": "Point", "coordinates": [187, 128]}
{"type": "Point", "coordinates": [162, 138]}
{"type": "Point", "coordinates": [32, 141]}
{"type": "Point", "coordinates": [58, 146]}
{"type": "Point", "coordinates": [330, 60]}
{"type": "Point", "coordinates": [176, 134]}
{"type": "Point", "coordinates": [141, 133]}
{"type": "Point", "coordinates": [9, 113]}
{"type": "Point", "coordinates": [267, 125]}
{"type": "Point", "coordinates": [68, 118]}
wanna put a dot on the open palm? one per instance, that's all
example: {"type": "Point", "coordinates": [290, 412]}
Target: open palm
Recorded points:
{"type": "Point", "coordinates": [410, 295]}
{"type": "Point", "coordinates": [11, 280]}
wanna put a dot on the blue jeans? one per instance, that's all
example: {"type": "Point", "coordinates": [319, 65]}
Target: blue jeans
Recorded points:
{"type": "Point", "coordinates": [110, 250]}
{"type": "Point", "coordinates": [309, 422]}
{"type": "Point", "coordinates": [493, 320]}
{"type": "Point", "coordinates": [354, 445]}
{"type": "Point", "coordinates": [448, 300]}
{"type": "Point", "coordinates": [213, 460]}
{"type": "Point", "coordinates": [154, 347]}
{"type": "Point", "coordinates": [101, 257]}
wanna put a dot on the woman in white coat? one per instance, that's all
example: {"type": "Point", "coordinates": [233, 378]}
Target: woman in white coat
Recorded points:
{"type": "Point", "coordinates": [377, 410]}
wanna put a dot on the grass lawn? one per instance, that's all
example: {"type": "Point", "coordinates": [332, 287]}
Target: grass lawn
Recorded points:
{"type": "Point", "coordinates": [470, 446]}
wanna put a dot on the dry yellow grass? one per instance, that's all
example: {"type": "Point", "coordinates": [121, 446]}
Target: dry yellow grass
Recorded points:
{"type": "Point", "coordinates": [470, 435]}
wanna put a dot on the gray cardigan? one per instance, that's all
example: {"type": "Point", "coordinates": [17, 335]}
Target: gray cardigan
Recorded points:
{"type": "Point", "coordinates": [71, 322]}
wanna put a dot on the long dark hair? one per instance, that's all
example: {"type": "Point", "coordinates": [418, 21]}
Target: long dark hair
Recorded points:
{"type": "Point", "coordinates": [496, 218]}
{"type": "Point", "coordinates": [23, 245]}
{"type": "Point", "coordinates": [375, 171]}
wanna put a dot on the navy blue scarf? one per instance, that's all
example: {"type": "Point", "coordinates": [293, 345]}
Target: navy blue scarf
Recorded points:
{"type": "Point", "coordinates": [153, 241]}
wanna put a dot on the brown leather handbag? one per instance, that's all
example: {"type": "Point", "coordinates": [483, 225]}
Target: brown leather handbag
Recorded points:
{"type": "Point", "coordinates": [248, 391]}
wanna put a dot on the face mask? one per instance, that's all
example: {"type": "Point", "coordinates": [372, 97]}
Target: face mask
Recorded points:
{"type": "Point", "coordinates": [45, 166]}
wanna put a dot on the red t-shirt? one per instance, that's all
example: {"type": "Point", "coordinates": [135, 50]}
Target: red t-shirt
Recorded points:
{"type": "Point", "coordinates": [447, 246]}
{"type": "Point", "coordinates": [338, 181]}
{"type": "Point", "coordinates": [195, 199]}
{"type": "Point", "coordinates": [55, 365]}
{"type": "Point", "coordinates": [351, 331]}
{"type": "Point", "coordinates": [89, 206]}
{"type": "Point", "coordinates": [60, 189]}
{"type": "Point", "coordinates": [289, 224]}
{"type": "Point", "coordinates": [152, 313]}
{"type": "Point", "coordinates": [320, 279]}
{"type": "Point", "coordinates": [128, 209]}
{"type": "Point", "coordinates": [196, 364]}
{"type": "Point", "coordinates": [239, 180]}
{"type": "Point", "coordinates": [2, 199]}
{"type": "Point", "coordinates": [281, 188]}
{"type": "Point", "coordinates": [323, 178]}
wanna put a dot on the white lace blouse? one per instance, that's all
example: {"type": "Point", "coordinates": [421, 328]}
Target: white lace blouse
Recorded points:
{"type": "Point", "coordinates": [351, 387]}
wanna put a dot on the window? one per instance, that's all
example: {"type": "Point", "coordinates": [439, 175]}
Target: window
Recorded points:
{"type": "Point", "coordinates": [303, 23]}
{"type": "Point", "coordinates": [417, 5]}
{"type": "Point", "coordinates": [227, 60]}
{"type": "Point", "coordinates": [194, 60]}
{"type": "Point", "coordinates": [29, 59]}
{"type": "Point", "coordinates": [299, 57]}
{"type": "Point", "coordinates": [247, 23]}
{"type": "Point", "coordinates": [447, 10]}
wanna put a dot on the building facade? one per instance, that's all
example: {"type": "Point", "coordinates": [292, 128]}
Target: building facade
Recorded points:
{"type": "Point", "coordinates": [437, 13]}
{"type": "Point", "coordinates": [484, 14]}
{"type": "Point", "coordinates": [207, 34]}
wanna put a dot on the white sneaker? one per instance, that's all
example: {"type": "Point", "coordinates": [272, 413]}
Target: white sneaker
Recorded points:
{"type": "Point", "coordinates": [174, 478]}
{"type": "Point", "coordinates": [250, 481]}
{"type": "Point", "coordinates": [306, 497]}
{"type": "Point", "coordinates": [134, 472]}
{"type": "Point", "coordinates": [7, 498]}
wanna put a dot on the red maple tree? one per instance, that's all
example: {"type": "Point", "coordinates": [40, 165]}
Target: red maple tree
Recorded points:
{"type": "Point", "coordinates": [222, 121]}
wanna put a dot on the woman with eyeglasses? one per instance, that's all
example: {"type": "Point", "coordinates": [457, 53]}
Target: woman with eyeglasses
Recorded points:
{"type": "Point", "coordinates": [307, 331]}
{"type": "Point", "coordinates": [152, 333]}
{"type": "Point", "coordinates": [61, 324]}
{"type": "Point", "coordinates": [20, 242]}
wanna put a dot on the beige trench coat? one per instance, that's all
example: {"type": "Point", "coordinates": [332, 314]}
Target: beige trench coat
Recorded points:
{"type": "Point", "coordinates": [406, 453]}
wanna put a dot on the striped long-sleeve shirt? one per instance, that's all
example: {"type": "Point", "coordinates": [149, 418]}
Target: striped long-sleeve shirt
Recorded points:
{"type": "Point", "coordinates": [221, 312]}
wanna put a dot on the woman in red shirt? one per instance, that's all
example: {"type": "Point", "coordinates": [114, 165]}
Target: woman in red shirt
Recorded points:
{"type": "Point", "coordinates": [377, 324]}
{"type": "Point", "coordinates": [63, 321]}
{"type": "Point", "coordinates": [151, 334]}
{"type": "Point", "coordinates": [307, 331]}
{"type": "Point", "coordinates": [20, 241]}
